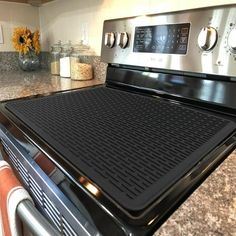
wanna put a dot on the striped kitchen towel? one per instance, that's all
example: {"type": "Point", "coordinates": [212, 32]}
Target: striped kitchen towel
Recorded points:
{"type": "Point", "coordinates": [11, 194]}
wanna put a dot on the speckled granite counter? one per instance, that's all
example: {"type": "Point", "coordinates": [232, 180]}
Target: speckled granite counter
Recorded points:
{"type": "Point", "coordinates": [210, 210]}
{"type": "Point", "coordinates": [15, 84]}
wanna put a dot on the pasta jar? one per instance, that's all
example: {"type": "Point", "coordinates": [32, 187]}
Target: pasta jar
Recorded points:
{"type": "Point", "coordinates": [55, 58]}
{"type": "Point", "coordinates": [65, 60]}
{"type": "Point", "coordinates": [78, 50]}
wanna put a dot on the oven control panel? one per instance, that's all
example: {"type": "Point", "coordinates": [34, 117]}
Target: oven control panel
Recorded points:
{"type": "Point", "coordinates": [171, 39]}
{"type": "Point", "coordinates": [199, 41]}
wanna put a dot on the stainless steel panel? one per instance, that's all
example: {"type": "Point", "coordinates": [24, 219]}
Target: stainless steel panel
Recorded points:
{"type": "Point", "coordinates": [220, 60]}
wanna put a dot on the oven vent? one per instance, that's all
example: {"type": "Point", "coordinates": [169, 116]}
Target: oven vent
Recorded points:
{"type": "Point", "coordinates": [39, 195]}
{"type": "Point", "coordinates": [67, 230]}
{"type": "Point", "coordinates": [35, 190]}
{"type": "Point", "coordinates": [52, 211]}
{"type": "Point", "coordinates": [11, 155]}
{"type": "Point", "coordinates": [15, 162]}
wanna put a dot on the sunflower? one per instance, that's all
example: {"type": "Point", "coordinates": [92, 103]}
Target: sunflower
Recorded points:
{"type": "Point", "coordinates": [24, 41]}
{"type": "Point", "coordinates": [36, 44]}
{"type": "Point", "coordinates": [21, 40]}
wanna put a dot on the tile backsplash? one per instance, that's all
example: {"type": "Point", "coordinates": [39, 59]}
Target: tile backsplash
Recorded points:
{"type": "Point", "coordinates": [9, 62]}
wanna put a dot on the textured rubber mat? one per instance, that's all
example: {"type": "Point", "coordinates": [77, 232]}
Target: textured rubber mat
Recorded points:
{"type": "Point", "coordinates": [133, 147]}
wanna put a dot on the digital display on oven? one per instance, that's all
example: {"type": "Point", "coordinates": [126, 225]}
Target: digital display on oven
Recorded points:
{"type": "Point", "coordinates": [171, 39]}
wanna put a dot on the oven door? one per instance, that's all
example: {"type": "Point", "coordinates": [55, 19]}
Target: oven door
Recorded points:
{"type": "Point", "coordinates": [47, 185]}
{"type": "Point", "coordinates": [33, 220]}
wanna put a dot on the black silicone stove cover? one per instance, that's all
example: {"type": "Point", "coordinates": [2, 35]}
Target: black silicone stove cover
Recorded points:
{"type": "Point", "coordinates": [133, 147]}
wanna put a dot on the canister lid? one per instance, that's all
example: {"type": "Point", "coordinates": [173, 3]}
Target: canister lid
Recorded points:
{"type": "Point", "coordinates": [67, 46]}
{"type": "Point", "coordinates": [57, 45]}
{"type": "Point", "coordinates": [80, 47]}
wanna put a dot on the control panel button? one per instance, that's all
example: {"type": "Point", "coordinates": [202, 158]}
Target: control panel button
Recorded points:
{"type": "Point", "coordinates": [122, 39]}
{"type": "Point", "coordinates": [232, 40]}
{"type": "Point", "coordinates": [207, 38]}
{"type": "Point", "coordinates": [110, 39]}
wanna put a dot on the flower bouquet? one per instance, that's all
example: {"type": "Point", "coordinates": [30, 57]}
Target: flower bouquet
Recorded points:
{"type": "Point", "coordinates": [28, 46]}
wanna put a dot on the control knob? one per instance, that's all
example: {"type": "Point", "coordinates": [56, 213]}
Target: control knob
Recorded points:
{"type": "Point", "coordinates": [122, 39]}
{"type": "Point", "coordinates": [232, 40]}
{"type": "Point", "coordinates": [110, 39]}
{"type": "Point", "coordinates": [207, 38]}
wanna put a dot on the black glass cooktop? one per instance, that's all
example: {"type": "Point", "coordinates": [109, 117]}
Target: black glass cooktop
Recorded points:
{"type": "Point", "coordinates": [133, 147]}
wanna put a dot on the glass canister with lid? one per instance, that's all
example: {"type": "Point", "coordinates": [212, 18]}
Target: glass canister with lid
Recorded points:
{"type": "Point", "coordinates": [65, 60]}
{"type": "Point", "coordinates": [55, 58]}
{"type": "Point", "coordinates": [80, 71]}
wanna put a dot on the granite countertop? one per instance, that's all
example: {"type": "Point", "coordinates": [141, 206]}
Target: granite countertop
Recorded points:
{"type": "Point", "coordinates": [16, 84]}
{"type": "Point", "coordinates": [210, 210]}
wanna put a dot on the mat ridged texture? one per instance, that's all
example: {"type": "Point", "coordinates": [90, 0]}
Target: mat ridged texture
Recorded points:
{"type": "Point", "coordinates": [133, 147]}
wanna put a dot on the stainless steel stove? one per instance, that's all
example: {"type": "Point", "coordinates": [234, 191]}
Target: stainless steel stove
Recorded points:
{"type": "Point", "coordinates": [118, 159]}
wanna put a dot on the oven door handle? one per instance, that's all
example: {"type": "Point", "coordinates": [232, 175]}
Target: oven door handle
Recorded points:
{"type": "Point", "coordinates": [33, 219]}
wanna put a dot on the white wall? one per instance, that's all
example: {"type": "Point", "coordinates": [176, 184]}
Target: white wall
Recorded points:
{"type": "Point", "coordinates": [13, 15]}
{"type": "Point", "coordinates": [66, 20]}
{"type": "Point", "coordinates": [74, 19]}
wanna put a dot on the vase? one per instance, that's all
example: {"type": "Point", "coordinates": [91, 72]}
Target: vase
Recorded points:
{"type": "Point", "coordinates": [29, 61]}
